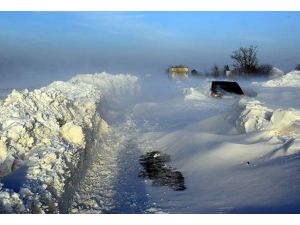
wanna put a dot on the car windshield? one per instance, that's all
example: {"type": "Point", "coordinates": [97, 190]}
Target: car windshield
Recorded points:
{"type": "Point", "coordinates": [221, 87]}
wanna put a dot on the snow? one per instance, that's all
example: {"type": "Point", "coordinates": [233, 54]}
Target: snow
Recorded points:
{"type": "Point", "coordinates": [237, 155]}
{"type": "Point", "coordinates": [74, 147]}
{"type": "Point", "coordinates": [251, 115]}
{"type": "Point", "coordinates": [103, 127]}
{"type": "Point", "coordinates": [275, 72]}
{"type": "Point", "coordinates": [291, 79]}
{"type": "Point", "coordinates": [3, 152]}
{"type": "Point", "coordinates": [73, 134]}
{"type": "Point", "coordinates": [43, 137]}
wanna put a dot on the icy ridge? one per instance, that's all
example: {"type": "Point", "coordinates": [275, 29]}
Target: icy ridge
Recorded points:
{"type": "Point", "coordinates": [46, 135]}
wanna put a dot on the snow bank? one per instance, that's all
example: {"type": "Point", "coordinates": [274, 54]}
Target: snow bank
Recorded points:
{"type": "Point", "coordinates": [251, 115]}
{"type": "Point", "coordinates": [45, 135]}
{"type": "Point", "coordinates": [115, 88]}
{"type": "Point", "coordinates": [283, 115]}
{"type": "Point", "coordinates": [291, 79]}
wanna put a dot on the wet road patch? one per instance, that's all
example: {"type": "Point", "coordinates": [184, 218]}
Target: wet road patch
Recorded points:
{"type": "Point", "coordinates": [156, 169]}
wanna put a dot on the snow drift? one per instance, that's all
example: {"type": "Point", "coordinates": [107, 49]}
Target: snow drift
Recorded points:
{"type": "Point", "coordinates": [243, 157]}
{"type": "Point", "coordinates": [291, 79]}
{"type": "Point", "coordinates": [45, 136]}
{"type": "Point", "coordinates": [251, 115]}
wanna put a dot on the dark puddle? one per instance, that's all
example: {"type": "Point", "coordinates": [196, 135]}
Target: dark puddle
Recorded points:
{"type": "Point", "coordinates": [156, 169]}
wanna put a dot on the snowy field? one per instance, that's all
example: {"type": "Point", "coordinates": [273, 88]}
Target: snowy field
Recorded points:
{"type": "Point", "coordinates": [74, 147]}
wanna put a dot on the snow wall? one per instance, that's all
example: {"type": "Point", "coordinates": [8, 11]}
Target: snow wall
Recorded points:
{"type": "Point", "coordinates": [47, 136]}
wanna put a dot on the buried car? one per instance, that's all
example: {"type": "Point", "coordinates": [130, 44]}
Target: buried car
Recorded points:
{"type": "Point", "coordinates": [221, 88]}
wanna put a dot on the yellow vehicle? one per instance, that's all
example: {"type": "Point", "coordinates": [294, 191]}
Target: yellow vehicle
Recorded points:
{"type": "Point", "coordinates": [179, 71]}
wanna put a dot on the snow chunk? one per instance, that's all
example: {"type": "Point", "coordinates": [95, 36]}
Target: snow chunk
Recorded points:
{"type": "Point", "coordinates": [194, 94]}
{"type": "Point", "coordinates": [6, 200]}
{"type": "Point", "coordinates": [285, 122]}
{"type": "Point", "coordinates": [3, 151]}
{"type": "Point", "coordinates": [73, 134]}
{"type": "Point", "coordinates": [250, 115]}
{"type": "Point", "coordinates": [103, 127]}
{"type": "Point", "coordinates": [284, 117]}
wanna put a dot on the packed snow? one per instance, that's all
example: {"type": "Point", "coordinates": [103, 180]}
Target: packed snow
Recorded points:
{"type": "Point", "coordinates": [74, 147]}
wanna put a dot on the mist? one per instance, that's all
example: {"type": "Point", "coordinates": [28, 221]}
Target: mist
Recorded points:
{"type": "Point", "coordinates": [38, 48]}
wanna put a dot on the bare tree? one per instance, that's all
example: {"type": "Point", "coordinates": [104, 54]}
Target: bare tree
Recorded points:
{"type": "Point", "coordinates": [226, 68]}
{"type": "Point", "coordinates": [264, 69]}
{"type": "Point", "coordinates": [245, 59]}
{"type": "Point", "coordinates": [215, 71]}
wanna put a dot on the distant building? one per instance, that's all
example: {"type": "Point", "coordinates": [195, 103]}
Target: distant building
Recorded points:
{"type": "Point", "coordinates": [179, 71]}
{"type": "Point", "coordinates": [228, 73]}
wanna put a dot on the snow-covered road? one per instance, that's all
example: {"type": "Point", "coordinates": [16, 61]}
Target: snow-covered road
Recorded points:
{"type": "Point", "coordinates": [111, 184]}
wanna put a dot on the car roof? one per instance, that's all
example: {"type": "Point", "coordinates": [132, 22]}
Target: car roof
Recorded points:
{"type": "Point", "coordinates": [220, 82]}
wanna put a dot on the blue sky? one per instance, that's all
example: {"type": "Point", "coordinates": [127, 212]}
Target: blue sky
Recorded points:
{"type": "Point", "coordinates": [56, 44]}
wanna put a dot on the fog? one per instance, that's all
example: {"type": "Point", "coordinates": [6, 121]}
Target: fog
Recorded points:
{"type": "Point", "coordinates": [38, 48]}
